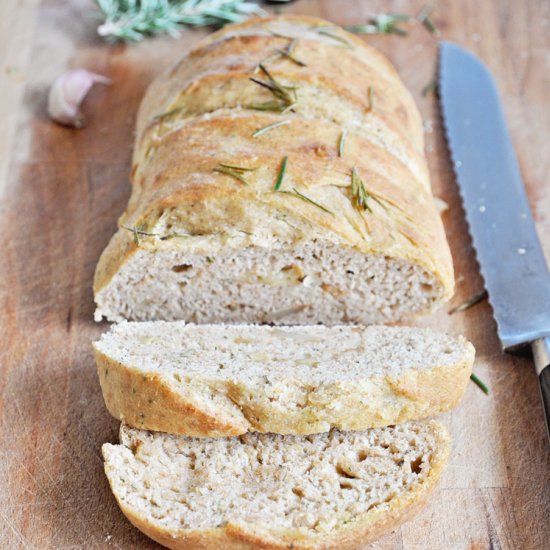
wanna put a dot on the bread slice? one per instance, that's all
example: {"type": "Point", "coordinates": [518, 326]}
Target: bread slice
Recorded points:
{"type": "Point", "coordinates": [212, 244]}
{"type": "Point", "coordinates": [327, 491]}
{"type": "Point", "coordinates": [221, 380]}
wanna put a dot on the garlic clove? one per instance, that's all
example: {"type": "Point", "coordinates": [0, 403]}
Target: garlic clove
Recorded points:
{"type": "Point", "coordinates": [67, 94]}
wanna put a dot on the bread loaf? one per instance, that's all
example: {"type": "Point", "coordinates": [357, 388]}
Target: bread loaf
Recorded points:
{"type": "Point", "coordinates": [222, 380]}
{"type": "Point", "coordinates": [334, 491]}
{"type": "Point", "coordinates": [278, 176]}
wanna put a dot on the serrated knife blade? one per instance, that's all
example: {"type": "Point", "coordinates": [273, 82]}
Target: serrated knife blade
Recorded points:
{"type": "Point", "coordinates": [503, 231]}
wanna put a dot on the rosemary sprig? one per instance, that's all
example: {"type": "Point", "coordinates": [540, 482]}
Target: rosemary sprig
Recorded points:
{"type": "Point", "coordinates": [275, 106]}
{"type": "Point", "coordinates": [279, 52]}
{"type": "Point", "coordinates": [168, 114]}
{"type": "Point", "coordinates": [341, 142]}
{"type": "Point", "coordinates": [132, 20]}
{"type": "Point", "coordinates": [424, 18]}
{"type": "Point", "coordinates": [266, 60]}
{"type": "Point", "coordinates": [475, 299]}
{"type": "Point", "coordinates": [482, 386]}
{"type": "Point", "coordinates": [296, 193]}
{"type": "Point", "coordinates": [286, 95]}
{"type": "Point", "coordinates": [139, 231]}
{"type": "Point", "coordinates": [288, 53]}
{"type": "Point", "coordinates": [174, 235]}
{"type": "Point", "coordinates": [326, 31]}
{"type": "Point", "coordinates": [237, 168]}
{"type": "Point", "coordinates": [431, 87]}
{"type": "Point", "coordinates": [359, 194]}
{"type": "Point", "coordinates": [281, 175]}
{"type": "Point", "coordinates": [280, 34]}
{"type": "Point", "coordinates": [370, 99]}
{"type": "Point", "coordinates": [284, 53]}
{"type": "Point", "coordinates": [383, 23]}
{"type": "Point", "coordinates": [271, 127]}
{"type": "Point", "coordinates": [233, 171]}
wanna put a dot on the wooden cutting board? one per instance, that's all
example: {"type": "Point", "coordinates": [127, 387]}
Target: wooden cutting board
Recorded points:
{"type": "Point", "coordinates": [61, 192]}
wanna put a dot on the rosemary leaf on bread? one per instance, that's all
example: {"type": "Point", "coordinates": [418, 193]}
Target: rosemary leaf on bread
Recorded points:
{"type": "Point", "coordinates": [297, 193]}
{"type": "Point", "coordinates": [230, 172]}
{"type": "Point", "coordinates": [269, 127]}
{"type": "Point", "coordinates": [286, 95]}
{"type": "Point", "coordinates": [359, 194]}
{"type": "Point", "coordinates": [341, 142]}
{"type": "Point", "coordinates": [281, 175]}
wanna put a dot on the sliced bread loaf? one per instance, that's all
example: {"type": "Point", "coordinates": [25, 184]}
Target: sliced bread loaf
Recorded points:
{"type": "Point", "coordinates": [328, 491]}
{"type": "Point", "coordinates": [217, 231]}
{"type": "Point", "coordinates": [221, 380]}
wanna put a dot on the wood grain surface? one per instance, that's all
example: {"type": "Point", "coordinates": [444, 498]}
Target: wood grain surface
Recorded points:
{"type": "Point", "coordinates": [61, 191]}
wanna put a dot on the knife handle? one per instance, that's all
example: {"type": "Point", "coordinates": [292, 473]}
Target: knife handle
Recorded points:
{"type": "Point", "coordinates": [541, 354]}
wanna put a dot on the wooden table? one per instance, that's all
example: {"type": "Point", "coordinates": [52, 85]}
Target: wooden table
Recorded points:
{"type": "Point", "coordinates": [62, 190]}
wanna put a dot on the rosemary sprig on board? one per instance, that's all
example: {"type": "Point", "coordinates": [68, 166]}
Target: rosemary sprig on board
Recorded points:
{"type": "Point", "coordinates": [285, 95]}
{"type": "Point", "coordinates": [424, 18]}
{"type": "Point", "coordinates": [271, 127]}
{"type": "Point", "coordinates": [281, 175]}
{"type": "Point", "coordinates": [359, 194]}
{"type": "Point", "coordinates": [383, 23]}
{"type": "Point", "coordinates": [475, 299]}
{"type": "Point", "coordinates": [482, 386]}
{"type": "Point", "coordinates": [132, 20]}
{"type": "Point", "coordinates": [389, 23]}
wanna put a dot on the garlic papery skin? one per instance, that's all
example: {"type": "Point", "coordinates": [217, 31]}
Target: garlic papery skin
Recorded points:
{"type": "Point", "coordinates": [67, 94]}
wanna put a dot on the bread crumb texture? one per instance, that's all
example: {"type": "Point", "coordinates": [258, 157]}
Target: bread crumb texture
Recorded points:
{"type": "Point", "coordinates": [332, 490]}
{"type": "Point", "coordinates": [219, 380]}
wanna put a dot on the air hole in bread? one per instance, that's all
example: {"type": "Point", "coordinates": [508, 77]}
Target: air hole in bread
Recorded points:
{"type": "Point", "coordinates": [344, 473]}
{"type": "Point", "coordinates": [182, 268]}
{"type": "Point", "coordinates": [416, 465]}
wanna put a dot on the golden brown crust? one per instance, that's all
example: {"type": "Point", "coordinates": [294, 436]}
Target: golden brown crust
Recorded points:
{"type": "Point", "coordinates": [194, 88]}
{"type": "Point", "coordinates": [211, 93]}
{"type": "Point", "coordinates": [352, 536]}
{"type": "Point", "coordinates": [148, 402]}
{"type": "Point", "coordinates": [154, 403]}
{"type": "Point", "coordinates": [405, 225]}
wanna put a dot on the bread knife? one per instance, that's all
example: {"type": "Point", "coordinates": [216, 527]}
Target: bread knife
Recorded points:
{"type": "Point", "coordinates": [503, 231]}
